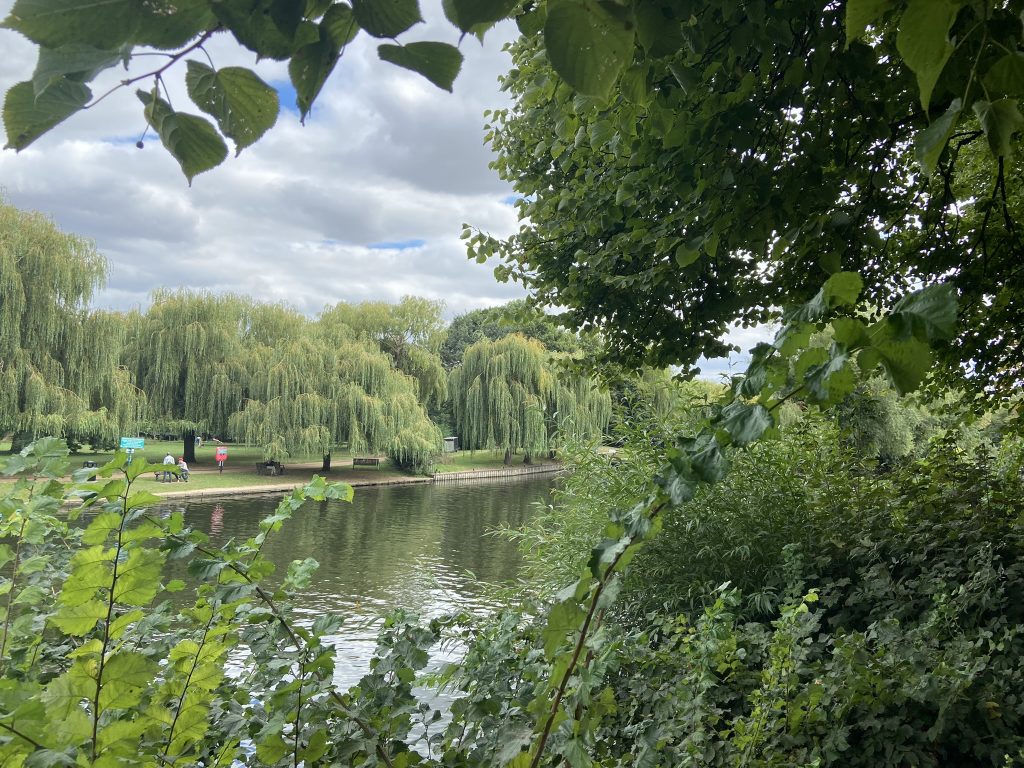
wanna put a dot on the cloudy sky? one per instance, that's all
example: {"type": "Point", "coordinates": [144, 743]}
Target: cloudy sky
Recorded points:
{"type": "Point", "coordinates": [366, 201]}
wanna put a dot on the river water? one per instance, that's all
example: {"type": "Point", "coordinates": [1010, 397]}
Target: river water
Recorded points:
{"type": "Point", "coordinates": [420, 547]}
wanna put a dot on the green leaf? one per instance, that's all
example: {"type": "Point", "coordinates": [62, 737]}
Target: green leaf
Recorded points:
{"type": "Point", "coordinates": [438, 62]}
{"type": "Point", "coordinates": [243, 105]}
{"type": "Point", "coordinates": [923, 41]}
{"type": "Point", "coordinates": [842, 289]}
{"type": "Point", "coordinates": [563, 618]}
{"type": "Point", "coordinates": [101, 527]}
{"type": "Point", "coordinates": [929, 314]}
{"type": "Point", "coordinates": [90, 571]}
{"type": "Point", "coordinates": [862, 13]}
{"type": "Point", "coordinates": [26, 117]}
{"type": "Point", "coordinates": [255, 24]}
{"type": "Point", "coordinates": [587, 45]}
{"type": "Point", "coordinates": [386, 18]}
{"type": "Point", "coordinates": [706, 457]}
{"type": "Point", "coordinates": [125, 678]}
{"type": "Point", "coordinates": [1006, 76]}
{"type": "Point", "coordinates": [467, 14]}
{"type": "Point", "coordinates": [832, 380]}
{"type": "Point", "coordinates": [905, 362]}
{"type": "Point", "coordinates": [849, 331]}
{"type": "Point", "coordinates": [53, 23]}
{"type": "Point", "coordinates": [78, 620]}
{"type": "Point", "coordinates": [657, 29]}
{"type": "Point", "coordinates": [929, 143]}
{"type": "Point", "coordinates": [315, 748]}
{"type": "Point", "coordinates": [63, 695]}
{"type": "Point", "coordinates": [191, 140]}
{"type": "Point", "coordinates": [78, 62]}
{"type": "Point", "coordinates": [1000, 120]}
{"type": "Point", "coordinates": [685, 255]}
{"type": "Point", "coordinates": [745, 422]}
{"type": "Point", "coordinates": [139, 577]}
{"type": "Point", "coordinates": [141, 499]}
{"type": "Point", "coordinates": [167, 24]}
{"type": "Point", "coordinates": [271, 748]}
{"type": "Point", "coordinates": [300, 573]}
{"type": "Point", "coordinates": [312, 64]}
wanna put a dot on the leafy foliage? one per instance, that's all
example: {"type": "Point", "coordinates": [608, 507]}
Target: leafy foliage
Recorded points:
{"type": "Point", "coordinates": [507, 395]}
{"type": "Point", "coordinates": [748, 152]}
{"type": "Point", "coordinates": [55, 377]}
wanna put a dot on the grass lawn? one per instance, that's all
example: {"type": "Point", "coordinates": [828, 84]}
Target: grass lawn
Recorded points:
{"type": "Point", "coordinates": [244, 479]}
{"type": "Point", "coordinates": [239, 470]}
{"type": "Point", "coordinates": [462, 461]}
{"type": "Point", "coordinates": [248, 455]}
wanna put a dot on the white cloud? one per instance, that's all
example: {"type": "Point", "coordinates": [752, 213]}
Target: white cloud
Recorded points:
{"type": "Point", "coordinates": [385, 157]}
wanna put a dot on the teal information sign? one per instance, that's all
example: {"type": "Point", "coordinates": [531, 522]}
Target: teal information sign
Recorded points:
{"type": "Point", "coordinates": [133, 442]}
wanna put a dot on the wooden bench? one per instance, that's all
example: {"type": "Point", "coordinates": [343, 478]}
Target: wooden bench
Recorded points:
{"type": "Point", "coordinates": [366, 461]}
{"type": "Point", "coordinates": [175, 475]}
{"type": "Point", "coordinates": [269, 468]}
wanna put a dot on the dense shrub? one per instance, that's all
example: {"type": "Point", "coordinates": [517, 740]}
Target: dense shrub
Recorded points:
{"type": "Point", "coordinates": [809, 609]}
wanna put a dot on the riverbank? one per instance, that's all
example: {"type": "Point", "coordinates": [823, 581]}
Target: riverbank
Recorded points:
{"type": "Point", "coordinates": [360, 480]}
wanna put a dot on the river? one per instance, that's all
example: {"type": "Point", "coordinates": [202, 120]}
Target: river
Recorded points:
{"type": "Point", "coordinates": [420, 547]}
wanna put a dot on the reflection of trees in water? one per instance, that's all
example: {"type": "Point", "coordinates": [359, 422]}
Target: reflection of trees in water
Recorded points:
{"type": "Point", "coordinates": [392, 544]}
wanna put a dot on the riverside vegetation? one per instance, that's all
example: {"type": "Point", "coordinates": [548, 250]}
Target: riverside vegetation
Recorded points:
{"type": "Point", "coordinates": [848, 170]}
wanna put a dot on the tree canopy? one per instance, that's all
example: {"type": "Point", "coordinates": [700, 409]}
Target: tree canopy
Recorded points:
{"type": "Point", "coordinates": [751, 150]}
{"type": "Point", "coordinates": [310, 395]}
{"type": "Point", "coordinates": [190, 358]}
{"type": "Point", "coordinates": [409, 332]}
{"type": "Point", "coordinates": [60, 371]}
{"type": "Point", "coordinates": [708, 162]}
{"type": "Point", "coordinates": [507, 395]}
{"type": "Point", "coordinates": [495, 322]}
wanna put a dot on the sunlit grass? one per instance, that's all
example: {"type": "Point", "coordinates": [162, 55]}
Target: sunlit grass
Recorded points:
{"type": "Point", "coordinates": [463, 461]}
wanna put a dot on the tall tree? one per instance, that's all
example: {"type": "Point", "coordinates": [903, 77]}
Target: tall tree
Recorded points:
{"type": "Point", "coordinates": [508, 396]}
{"type": "Point", "coordinates": [751, 150]}
{"type": "Point", "coordinates": [313, 394]}
{"type": "Point", "coordinates": [409, 332]}
{"type": "Point", "coordinates": [191, 361]}
{"type": "Point", "coordinates": [59, 361]}
{"type": "Point", "coordinates": [495, 322]}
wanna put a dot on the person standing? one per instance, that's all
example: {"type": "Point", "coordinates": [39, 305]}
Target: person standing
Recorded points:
{"type": "Point", "coordinates": [168, 461]}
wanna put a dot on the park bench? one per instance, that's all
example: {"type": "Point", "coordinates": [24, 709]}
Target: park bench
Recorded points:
{"type": "Point", "coordinates": [269, 468]}
{"type": "Point", "coordinates": [366, 461]}
{"type": "Point", "coordinates": [175, 475]}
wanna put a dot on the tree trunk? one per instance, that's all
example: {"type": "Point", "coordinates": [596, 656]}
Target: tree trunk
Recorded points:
{"type": "Point", "coordinates": [527, 458]}
{"type": "Point", "coordinates": [19, 440]}
{"type": "Point", "coordinates": [508, 456]}
{"type": "Point", "coordinates": [188, 447]}
{"type": "Point", "coordinates": [327, 463]}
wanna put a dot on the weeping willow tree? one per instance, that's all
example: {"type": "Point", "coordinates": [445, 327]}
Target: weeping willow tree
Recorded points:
{"type": "Point", "coordinates": [410, 333]}
{"type": "Point", "coordinates": [59, 362]}
{"type": "Point", "coordinates": [318, 392]}
{"type": "Point", "coordinates": [190, 356]}
{"type": "Point", "coordinates": [507, 395]}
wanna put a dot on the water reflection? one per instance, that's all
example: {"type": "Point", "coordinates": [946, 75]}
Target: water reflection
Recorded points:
{"type": "Point", "coordinates": [416, 547]}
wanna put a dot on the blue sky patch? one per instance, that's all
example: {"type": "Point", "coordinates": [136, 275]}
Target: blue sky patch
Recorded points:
{"type": "Point", "coordinates": [118, 141]}
{"type": "Point", "coordinates": [397, 245]}
{"type": "Point", "coordinates": [286, 93]}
